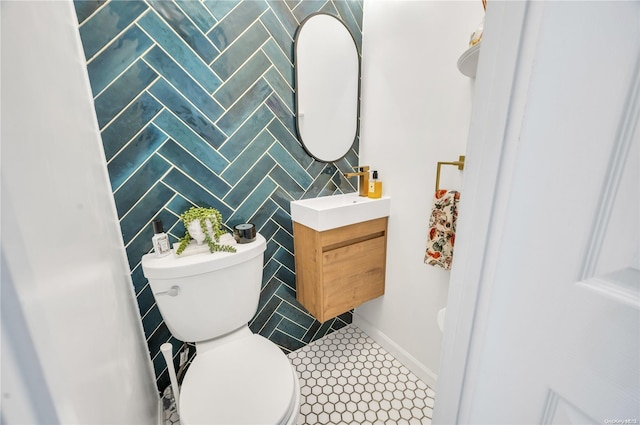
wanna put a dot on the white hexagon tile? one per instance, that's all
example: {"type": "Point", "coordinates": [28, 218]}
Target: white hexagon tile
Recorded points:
{"type": "Point", "coordinates": [347, 378]}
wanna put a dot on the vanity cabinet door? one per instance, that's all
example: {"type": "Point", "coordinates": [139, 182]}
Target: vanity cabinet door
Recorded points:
{"type": "Point", "coordinates": [352, 275]}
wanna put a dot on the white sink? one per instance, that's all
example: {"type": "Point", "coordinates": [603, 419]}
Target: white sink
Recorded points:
{"type": "Point", "coordinates": [330, 212]}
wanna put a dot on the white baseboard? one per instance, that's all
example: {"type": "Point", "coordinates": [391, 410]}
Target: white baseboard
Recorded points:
{"type": "Point", "coordinates": [419, 369]}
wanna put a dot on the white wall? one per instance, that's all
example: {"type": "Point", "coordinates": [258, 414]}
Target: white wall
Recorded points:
{"type": "Point", "coordinates": [416, 108]}
{"type": "Point", "coordinates": [63, 256]}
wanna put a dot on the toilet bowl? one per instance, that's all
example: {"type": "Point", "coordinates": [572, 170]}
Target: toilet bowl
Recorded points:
{"type": "Point", "coordinates": [237, 377]}
{"type": "Point", "coordinates": [248, 381]}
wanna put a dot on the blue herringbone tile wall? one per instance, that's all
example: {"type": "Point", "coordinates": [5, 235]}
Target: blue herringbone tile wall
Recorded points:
{"type": "Point", "coordinates": [195, 102]}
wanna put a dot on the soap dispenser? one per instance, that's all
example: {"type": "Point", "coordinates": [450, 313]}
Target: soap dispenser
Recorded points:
{"type": "Point", "coordinates": [160, 239]}
{"type": "Point", "coordinates": [375, 186]}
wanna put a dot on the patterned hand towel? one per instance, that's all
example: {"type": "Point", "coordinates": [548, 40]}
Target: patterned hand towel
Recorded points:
{"type": "Point", "coordinates": [442, 229]}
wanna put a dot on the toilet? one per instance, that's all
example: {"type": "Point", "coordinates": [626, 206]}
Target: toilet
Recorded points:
{"type": "Point", "coordinates": [237, 377]}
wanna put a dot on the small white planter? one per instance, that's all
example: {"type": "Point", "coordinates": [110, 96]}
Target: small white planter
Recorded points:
{"type": "Point", "coordinates": [196, 232]}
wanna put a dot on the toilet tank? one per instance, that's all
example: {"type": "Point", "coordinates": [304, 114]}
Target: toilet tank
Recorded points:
{"type": "Point", "coordinates": [216, 293]}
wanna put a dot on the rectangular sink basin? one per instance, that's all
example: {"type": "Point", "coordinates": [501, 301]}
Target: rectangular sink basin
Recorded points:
{"type": "Point", "coordinates": [330, 212]}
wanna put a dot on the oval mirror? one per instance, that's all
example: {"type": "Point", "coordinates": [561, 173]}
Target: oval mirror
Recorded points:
{"type": "Point", "coordinates": [327, 71]}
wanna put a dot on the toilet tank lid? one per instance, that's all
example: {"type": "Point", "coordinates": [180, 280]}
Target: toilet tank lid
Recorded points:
{"type": "Point", "coordinates": [172, 266]}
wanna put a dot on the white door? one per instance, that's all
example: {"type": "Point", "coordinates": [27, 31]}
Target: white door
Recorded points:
{"type": "Point", "coordinates": [545, 289]}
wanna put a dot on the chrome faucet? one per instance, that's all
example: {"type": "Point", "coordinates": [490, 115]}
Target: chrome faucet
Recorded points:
{"type": "Point", "coordinates": [363, 179]}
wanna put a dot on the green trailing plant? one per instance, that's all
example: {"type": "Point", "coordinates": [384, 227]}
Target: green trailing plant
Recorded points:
{"type": "Point", "coordinates": [201, 215]}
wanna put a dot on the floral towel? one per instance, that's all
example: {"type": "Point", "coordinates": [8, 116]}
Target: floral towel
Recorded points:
{"type": "Point", "coordinates": [442, 229]}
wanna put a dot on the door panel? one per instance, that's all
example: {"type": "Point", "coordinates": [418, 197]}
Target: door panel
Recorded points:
{"type": "Point", "coordinates": [556, 332]}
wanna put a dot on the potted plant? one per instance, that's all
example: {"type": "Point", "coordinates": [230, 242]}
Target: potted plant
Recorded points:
{"type": "Point", "coordinates": [203, 225]}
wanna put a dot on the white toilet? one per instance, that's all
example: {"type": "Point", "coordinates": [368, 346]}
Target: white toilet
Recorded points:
{"type": "Point", "coordinates": [237, 377]}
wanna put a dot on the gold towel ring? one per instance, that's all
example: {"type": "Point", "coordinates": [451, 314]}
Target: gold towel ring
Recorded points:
{"type": "Point", "coordinates": [459, 163]}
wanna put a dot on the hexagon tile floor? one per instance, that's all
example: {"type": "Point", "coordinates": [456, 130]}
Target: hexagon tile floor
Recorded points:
{"type": "Point", "coordinates": [347, 378]}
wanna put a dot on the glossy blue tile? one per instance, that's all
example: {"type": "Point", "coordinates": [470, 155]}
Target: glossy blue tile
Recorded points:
{"type": "Point", "coordinates": [278, 32]}
{"type": "Point", "coordinates": [271, 324]}
{"type": "Point", "coordinates": [145, 300]}
{"type": "Point", "coordinates": [132, 120]}
{"type": "Point", "coordinates": [237, 54]}
{"type": "Point", "coordinates": [179, 204]}
{"type": "Point", "coordinates": [289, 278]}
{"type": "Point", "coordinates": [271, 250]}
{"type": "Point", "coordinates": [268, 291]}
{"type": "Point", "coordinates": [290, 143]}
{"type": "Point", "coordinates": [183, 83]}
{"type": "Point", "coordinates": [249, 156]}
{"type": "Point", "coordinates": [356, 9]}
{"type": "Point", "coordinates": [119, 95]}
{"type": "Point", "coordinates": [323, 329]}
{"type": "Point", "coordinates": [151, 320]}
{"type": "Point", "coordinates": [186, 163]}
{"type": "Point", "coordinates": [290, 328]}
{"type": "Point", "coordinates": [283, 199]}
{"type": "Point", "coordinates": [307, 7]}
{"type": "Point", "coordinates": [161, 371]}
{"type": "Point", "coordinates": [297, 314]}
{"type": "Point", "coordinates": [139, 281]}
{"type": "Point", "coordinates": [284, 114]}
{"type": "Point", "coordinates": [286, 294]}
{"type": "Point", "coordinates": [85, 8]}
{"type": "Point", "coordinates": [289, 163]}
{"type": "Point", "coordinates": [179, 51]}
{"type": "Point", "coordinates": [159, 337]}
{"type": "Point", "coordinates": [269, 269]}
{"type": "Point", "coordinates": [121, 53]}
{"type": "Point", "coordinates": [139, 246]}
{"type": "Point", "coordinates": [319, 183]}
{"type": "Point", "coordinates": [191, 141]}
{"type": "Point", "coordinates": [184, 27]}
{"type": "Point", "coordinates": [329, 8]}
{"type": "Point", "coordinates": [270, 227]}
{"type": "Point", "coordinates": [286, 182]}
{"type": "Point", "coordinates": [317, 167]}
{"type": "Point", "coordinates": [249, 181]}
{"type": "Point", "coordinates": [264, 312]}
{"type": "Point", "coordinates": [246, 105]}
{"type": "Point", "coordinates": [285, 342]}
{"type": "Point", "coordinates": [281, 61]}
{"type": "Point", "coordinates": [311, 332]}
{"type": "Point", "coordinates": [244, 78]}
{"type": "Point", "coordinates": [255, 124]}
{"type": "Point", "coordinates": [285, 239]}
{"type": "Point", "coordinates": [234, 24]}
{"type": "Point", "coordinates": [282, 89]}
{"type": "Point", "coordinates": [285, 258]}
{"type": "Point", "coordinates": [218, 8]}
{"type": "Point", "coordinates": [199, 14]}
{"type": "Point", "coordinates": [107, 23]}
{"type": "Point", "coordinates": [285, 16]}
{"type": "Point", "coordinates": [184, 110]}
{"type": "Point", "coordinates": [193, 192]}
{"type": "Point", "coordinates": [144, 211]}
{"type": "Point", "coordinates": [253, 202]}
{"type": "Point", "coordinates": [139, 183]}
{"type": "Point", "coordinates": [134, 155]}
{"type": "Point", "coordinates": [284, 221]}
{"type": "Point", "coordinates": [261, 217]}
{"type": "Point", "coordinates": [170, 222]}
{"type": "Point", "coordinates": [347, 17]}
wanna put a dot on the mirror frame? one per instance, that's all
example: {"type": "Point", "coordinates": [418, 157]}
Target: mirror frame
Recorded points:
{"type": "Point", "coordinates": [297, 91]}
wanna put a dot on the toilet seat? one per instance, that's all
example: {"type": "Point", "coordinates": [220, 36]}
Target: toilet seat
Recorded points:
{"type": "Point", "coordinates": [247, 381]}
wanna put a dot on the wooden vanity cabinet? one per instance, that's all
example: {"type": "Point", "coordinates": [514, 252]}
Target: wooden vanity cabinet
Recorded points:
{"type": "Point", "coordinates": [339, 269]}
